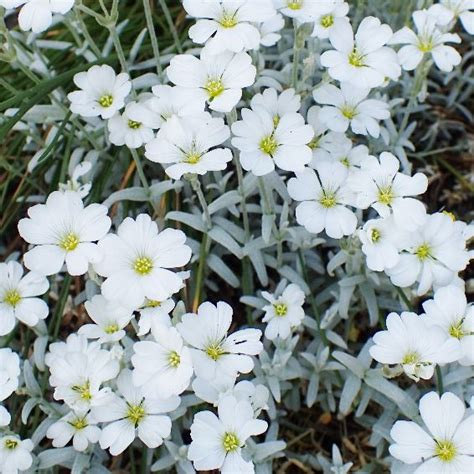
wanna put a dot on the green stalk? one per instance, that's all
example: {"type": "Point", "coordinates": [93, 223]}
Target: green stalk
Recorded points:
{"type": "Point", "coordinates": [152, 34]}
{"type": "Point", "coordinates": [171, 25]}
{"type": "Point", "coordinates": [439, 380]}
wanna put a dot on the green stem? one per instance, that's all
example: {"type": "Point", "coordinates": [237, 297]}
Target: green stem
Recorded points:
{"type": "Point", "coordinates": [171, 25]}
{"type": "Point", "coordinates": [196, 185]}
{"type": "Point", "coordinates": [85, 32]}
{"type": "Point", "coordinates": [439, 380]}
{"type": "Point", "coordinates": [152, 34]}
{"type": "Point", "coordinates": [404, 298]}
{"type": "Point", "coordinates": [296, 57]}
{"type": "Point", "coordinates": [141, 173]}
{"type": "Point", "coordinates": [55, 323]}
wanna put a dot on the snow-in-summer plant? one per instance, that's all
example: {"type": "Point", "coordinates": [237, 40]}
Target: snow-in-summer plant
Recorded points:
{"type": "Point", "coordinates": [234, 236]}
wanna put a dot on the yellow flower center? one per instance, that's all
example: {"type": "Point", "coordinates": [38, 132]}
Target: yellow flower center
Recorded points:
{"type": "Point", "coordinates": [268, 145]}
{"type": "Point", "coordinates": [410, 358]}
{"type": "Point", "coordinates": [314, 143]}
{"type": "Point", "coordinates": [83, 390]}
{"type": "Point", "coordinates": [153, 303]}
{"type": "Point", "coordinates": [450, 215]}
{"type": "Point", "coordinates": [375, 235]}
{"type": "Point", "coordinates": [349, 112]}
{"type": "Point", "coordinates": [425, 46]}
{"type": "Point", "coordinates": [228, 21]}
{"type": "Point", "coordinates": [230, 442]}
{"type": "Point", "coordinates": [295, 4]}
{"type": "Point", "coordinates": [69, 242]}
{"type": "Point", "coordinates": [79, 423]}
{"type": "Point", "coordinates": [356, 59]}
{"type": "Point", "coordinates": [12, 298]}
{"type": "Point", "coordinates": [135, 414]}
{"type": "Point", "coordinates": [214, 88]}
{"type": "Point", "coordinates": [106, 101]}
{"type": "Point", "coordinates": [386, 195]}
{"type": "Point", "coordinates": [328, 200]}
{"type": "Point", "coordinates": [327, 21]}
{"type": "Point", "coordinates": [423, 252]}
{"type": "Point", "coordinates": [193, 158]}
{"type": "Point", "coordinates": [143, 265]}
{"type": "Point", "coordinates": [174, 359]}
{"type": "Point", "coordinates": [215, 351]}
{"type": "Point", "coordinates": [280, 309]}
{"type": "Point", "coordinates": [11, 443]}
{"type": "Point", "coordinates": [345, 161]}
{"type": "Point", "coordinates": [276, 121]}
{"type": "Point", "coordinates": [111, 329]}
{"type": "Point", "coordinates": [456, 330]}
{"type": "Point", "coordinates": [445, 450]}
{"type": "Point", "coordinates": [134, 124]}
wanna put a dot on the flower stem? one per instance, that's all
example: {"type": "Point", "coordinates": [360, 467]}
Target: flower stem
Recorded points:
{"type": "Point", "coordinates": [439, 380]}
{"type": "Point", "coordinates": [118, 48]}
{"type": "Point", "coordinates": [152, 34]}
{"type": "Point", "coordinates": [296, 57]}
{"type": "Point", "coordinates": [141, 173]}
{"type": "Point", "coordinates": [171, 25]}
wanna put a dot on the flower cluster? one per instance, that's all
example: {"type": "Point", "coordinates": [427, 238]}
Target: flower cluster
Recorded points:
{"type": "Point", "coordinates": [282, 221]}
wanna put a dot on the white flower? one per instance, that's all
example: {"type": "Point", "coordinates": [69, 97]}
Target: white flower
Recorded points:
{"type": "Point", "coordinates": [136, 262]}
{"type": "Point", "coordinates": [37, 15]}
{"type": "Point", "coordinates": [325, 196]}
{"type": "Point", "coordinates": [213, 391]}
{"type": "Point", "coordinates": [109, 317]}
{"type": "Point", "coordinates": [269, 30]}
{"type": "Point", "coordinates": [450, 311]}
{"type": "Point", "coordinates": [349, 106]}
{"type": "Point", "coordinates": [217, 80]}
{"type": "Point", "coordinates": [154, 315]}
{"type": "Point", "coordinates": [410, 342]}
{"type": "Point", "coordinates": [102, 92]}
{"type": "Point", "coordinates": [78, 369]}
{"type": "Point", "coordinates": [429, 39]}
{"type": "Point", "coordinates": [284, 313]}
{"type": "Point", "coordinates": [332, 18]}
{"type": "Point", "coordinates": [225, 25]}
{"type": "Point", "coordinates": [80, 427]}
{"type": "Point", "coordinates": [445, 445]}
{"type": "Point", "coordinates": [168, 102]}
{"type": "Point", "coordinates": [217, 442]}
{"type": "Point", "coordinates": [287, 102]}
{"type": "Point", "coordinates": [432, 254]}
{"type": "Point", "coordinates": [79, 169]}
{"type": "Point", "coordinates": [5, 417]}
{"type": "Point", "coordinates": [134, 127]}
{"type": "Point", "coordinates": [130, 415]}
{"type": "Point", "coordinates": [215, 353]}
{"type": "Point", "coordinates": [190, 143]}
{"type": "Point", "coordinates": [265, 142]}
{"type": "Point", "coordinates": [9, 372]}
{"type": "Point", "coordinates": [17, 297]}
{"type": "Point", "coordinates": [302, 10]}
{"type": "Point", "coordinates": [448, 11]}
{"type": "Point", "coordinates": [162, 367]}
{"type": "Point", "coordinates": [63, 230]}
{"type": "Point", "coordinates": [363, 61]}
{"type": "Point", "coordinates": [380, 185]}
{"type": "Point", "coordinates": [379, 239]}
{"type": "Point", "coordinates": [15, 454]}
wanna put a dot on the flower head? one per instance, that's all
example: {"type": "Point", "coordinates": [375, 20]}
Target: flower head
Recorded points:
{"type": "Point", "coordinates": [15, 454]}
{"type": "Point", "coordinates": [9, 372]}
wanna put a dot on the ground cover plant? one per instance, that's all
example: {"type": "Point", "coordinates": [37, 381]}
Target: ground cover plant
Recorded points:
{"type": "Point", "coordinates": [235, 236]}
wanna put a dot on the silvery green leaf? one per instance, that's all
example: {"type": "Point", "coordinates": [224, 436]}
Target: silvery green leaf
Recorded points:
{"type": "Point", "coordinates": [267, 449]}
{"type": "Point", "coordinates": [228, 199]}
{"type": "Point", "coordinates": [163, 463]}
{"type": "Point", "coordinates": [349, 393]}
{"type": "Point", "coordinates": [158, 189]}
{"type": "Point", "coordinates": [232, 229]}
{"type": "Point", "coordinates": [406, 403]}
{"type": "Point", "coordinates": [39, 350]}
{"type": "Point", "coordinates": [27, 408]}
{"type": "Point", "coordinates": [313, 388]}
{"type": "Point", "coordinates": [219, 235]}
{"type": "Point", "coordinates": [267, 223]}
{"type": "Point", "coordinates": [56, 457]}
{"type": "Point", "coordinates": [339, 259]}
{"type": "Point", "coordinates": [259, 265]}
{"type": "Point", "coordinates": [190, 220]}
{"type": "Point", "coordinates": [371, 301]}
{"type": "Point", "coordinates": [31, 384]}
{"type": "Point", "coordinates": [218, 266]}
{"type": "Point", "coordinates": [252, 301]}
{"type": "Point", "coordinates": [350, 362]}
{"type": "Point", "coordinates": [81, 463]}
{"type": "Point", "coordinates": [135, 49]}
{"type": "Point", "coordinates": [130, 194]}
{"type": "Point", "coordinates": [336, 339]}
{"type": "Point", "coordinates": [41, 430]}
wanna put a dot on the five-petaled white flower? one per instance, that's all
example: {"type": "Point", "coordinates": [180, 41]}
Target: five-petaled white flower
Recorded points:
{"type": "Point", "coordinates": [102, 92]}
{"type": "Point", "coordinates": [284, 313]}
{"type": "Point", "coordinates": [214, 352]}
{"type": "Point", "coordinates": [189, 145]}
{"type": "Point", "coordinates": [448, 11]}
{"type": "Point", "coordinates": [154, 315]}
{"type": "Point", "coordinates": [331, 18]}
{"type": "Point", "coordinates": [162, 367]}
{"type": "Point", "coordinates": [129, 415]}
{"type": "Point", "coordinates": [136, 262]}
{"type": "Point", "coordinates": [410, 342]}
{"type": "Point", "coordinates": [217, 441]}
{"type": "Point", "coordinates": [450, 311]}
{"type": "Point", "coordinates": [217, 80]}
{"type": "Point", "coordinates": [445, 445]}
{"type": "Point", "coordinates": [17, 297]}
{"type": "Point", "coordinates": [429, 39]}
{"type": "Point", "coordinates": [324, 197]}
{"type": "Point", "coordinates": [225, 25]}
{"type": "Point", "coordinates": [349, 106]}
{"type": "Point", "coordinates": [364, 60]}
{"type": "Point", "coordinates": [15, 454]}
{"type": "Point", "coordinates": [63, 230]}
